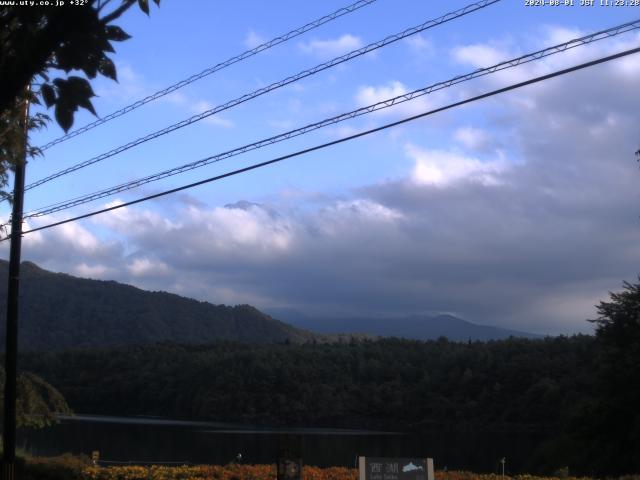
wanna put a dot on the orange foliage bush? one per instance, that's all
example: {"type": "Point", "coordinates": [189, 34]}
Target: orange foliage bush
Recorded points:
{"type": "Point", "coordinates": [461, 475]}
{"type": "Point", "coordinates": [212, 472]}
{"type": "Point", "coordinates": [261, 472]}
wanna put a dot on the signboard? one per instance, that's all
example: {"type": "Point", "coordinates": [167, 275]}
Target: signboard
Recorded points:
{"type": "Point", "coordinates": [389, 468]}
{"type": "Point", "coordinates": [289, 469]}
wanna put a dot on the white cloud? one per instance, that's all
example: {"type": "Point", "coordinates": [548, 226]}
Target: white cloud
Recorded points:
{"type": "Point", "coordinates": [94, 271]}
{"type": "Point", "coordinates": [133, 221]}
{"type": "Point", "coordinates": [479, 55]}
{"type": "Point", "coordinates": [343, 131]}
{"type": "Point", "coordinates": [560, 34]}
{"type": "Point", "coordinates": [128, 75]}
{"type": "Point", "coordinates": [71, 247]}
{"type": "Point", "coordinates": [252, 40]}
{"type": "Point", "coordinates": [350, 213]}
{"type": "Point", "coordinates": [146, 267]}
{"type": "Point", "coordinates": [234, 228]}
{"type": "Point", "coordinates": [79, 236]}
{"type": "Point", "coordinates": [420, 44]}
{"type": "Point", "coordinates": [442, 168]}
{"type": "Point", "coordinates": [131, 85]}
{"type": "Point", "coordinates": [473, 138]}
{"type": "Point", "coordinates": [370, 94]}
{"type": "Point", "coordinates": [217, 119]}
{"type": "Point", "coordinates": [482, 55]}
{"type": "Point", "coordinates": [197, 106]}
{"type": "Point", "coordinates": [176, 98]}
{"type": "Point", "coordinates": [332, 48]}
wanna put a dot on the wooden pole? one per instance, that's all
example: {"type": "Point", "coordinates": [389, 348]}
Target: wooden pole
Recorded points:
{"type": "Point", "coordinates": [11, 350]}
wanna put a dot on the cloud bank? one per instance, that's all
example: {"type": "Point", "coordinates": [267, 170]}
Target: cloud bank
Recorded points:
{"type": "Point", "coordinates": [526, 219]}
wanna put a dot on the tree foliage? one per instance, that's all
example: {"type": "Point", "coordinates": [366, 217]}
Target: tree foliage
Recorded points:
{"type": "Point", "coordinates": [37, 40]}
{"type": "Point", "coordinates": [611, 431]}
{"type": "Point", "coordinates": [58, 50]}
{"type": "Point", "coordinates": [12, 137]}
{"type": "Point", "coordinates": [37, 401]}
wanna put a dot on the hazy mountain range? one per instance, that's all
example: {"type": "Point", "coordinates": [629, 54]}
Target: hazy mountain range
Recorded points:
{"type": "Point", "coordinates": [418, 327]}
{"type": "Point", "coordinates": [59, 311]}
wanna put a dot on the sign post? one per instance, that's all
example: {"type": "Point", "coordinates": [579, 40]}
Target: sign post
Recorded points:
{"type": "Point", "coordinates": [289, 460]}
{"type": "Point", "coordinates": [387, 468]}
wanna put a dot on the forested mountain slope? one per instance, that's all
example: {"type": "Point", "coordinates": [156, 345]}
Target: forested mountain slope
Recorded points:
{"type": "Point", "coordinates": [60, 311]}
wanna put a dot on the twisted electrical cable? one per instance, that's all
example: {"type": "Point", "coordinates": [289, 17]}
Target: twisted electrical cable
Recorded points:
{"type": "Point", "coordinates": [261, 91]}
{"type": "Point", "coordinates": [587, 39]}
{"type": "Point", "coordinates": [208, 71]}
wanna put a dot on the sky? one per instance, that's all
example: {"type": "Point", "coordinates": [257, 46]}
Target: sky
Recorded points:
{"type": "Point", "coordinates": [520, 210]}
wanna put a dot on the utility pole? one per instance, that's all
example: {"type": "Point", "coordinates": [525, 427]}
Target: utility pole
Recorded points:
{"type": "Point", "coordinates": [11, 350]}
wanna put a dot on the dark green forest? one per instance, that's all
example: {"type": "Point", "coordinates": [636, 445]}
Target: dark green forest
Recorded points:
{"type": "Point", "coordinates": [393, 384]}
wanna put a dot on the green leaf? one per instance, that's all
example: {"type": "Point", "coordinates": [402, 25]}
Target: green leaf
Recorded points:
{"type": "Point", "coordinates": [107, 68]}
{"type": "Point", "coordinates": [48, 94]}
{"type": "Point", "coordinates": [73, 55]}
{"type": "Point", "coordinates": [81, 86]}
{"type": "Point", "coordinates": [106, 47]}
{"type": "Point", "coordinates": [80, 91]}
{"type": "Point", "coordinates": [73, 92]}
{"type": "Point", "coordinates": [86, 103]}
{"type": "Point", "coordinates": [38, 121]}
{"type": "Point", "coordinates": [64, 116]}
{"type": "Point", "coordinates": [34, 97]}
{"type": "Point", "coordinates": [116, 34]}
{"type": "Point", "coordinates": [144, 6]}
{"type": "Point", "coordinates": [91, 66]}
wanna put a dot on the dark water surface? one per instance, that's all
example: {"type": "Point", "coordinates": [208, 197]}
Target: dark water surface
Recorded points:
{"type": "Point", "coordinates": [159, 440]}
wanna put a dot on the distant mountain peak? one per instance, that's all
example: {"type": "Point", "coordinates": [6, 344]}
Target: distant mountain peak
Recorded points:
{"type": "Point", "coordinates": [417, 326]}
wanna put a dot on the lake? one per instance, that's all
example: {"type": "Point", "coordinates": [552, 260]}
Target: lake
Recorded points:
{"type": "Point", "coordinates": [151, 440]}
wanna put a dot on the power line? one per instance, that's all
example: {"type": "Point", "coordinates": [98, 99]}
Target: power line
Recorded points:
{"type": "Point", "coordinates": [603, 34]}
{"type": "Point", "coordinates": [208, 71]}
{"type": "Point", "coordinates": [341, 140]}
{"type": "Point", "coordinates": [261, 91]}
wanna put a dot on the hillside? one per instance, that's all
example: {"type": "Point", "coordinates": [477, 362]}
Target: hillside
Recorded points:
{"type": "Point", "coordinates": [60, 311]}
{"type": "Point", "coordinates": [415, 327]}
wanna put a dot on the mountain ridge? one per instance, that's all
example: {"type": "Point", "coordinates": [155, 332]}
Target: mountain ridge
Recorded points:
{"type": "Point", "coordinates": [90, 313]}
{"type": "Point", "coordinates": [97, 313]}
{"type": "Point", "coordinates": [413, 327]}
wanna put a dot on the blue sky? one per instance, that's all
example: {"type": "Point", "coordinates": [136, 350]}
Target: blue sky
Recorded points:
{"type": "Point", "coordinates": [516, 211]}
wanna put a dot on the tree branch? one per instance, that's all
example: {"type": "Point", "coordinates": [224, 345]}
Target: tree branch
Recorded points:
{"type": "Point", "coordinates": [126, 5]}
